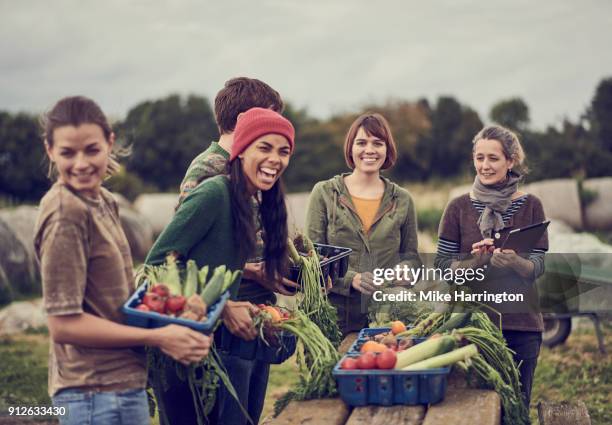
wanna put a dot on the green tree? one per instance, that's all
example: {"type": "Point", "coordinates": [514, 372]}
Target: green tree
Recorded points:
{"type": "Point", "coordinates": [447, 149]}
{"type": "Point", "coordinates": [512, 113]}
{"type": "Point", "coordinates": [316, 157]}
{"type": "Point", "coordinates": [567, 152]}
{"type": "Point", "coordinates": [601, 114]}
{"type": "Point", "coordinates": [22, 158]}
{"type": "Point", "coordinates": [165, 136]}
{"type": "Point", "coordinates": [409, 122]}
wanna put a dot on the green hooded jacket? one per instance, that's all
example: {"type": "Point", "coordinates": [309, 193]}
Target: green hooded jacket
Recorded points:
{"type": "Point", "coordinates": [332, 219]}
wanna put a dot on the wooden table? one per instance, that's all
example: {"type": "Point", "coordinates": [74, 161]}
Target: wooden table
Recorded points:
{"type": "Point", "coordinates": [461, 406]}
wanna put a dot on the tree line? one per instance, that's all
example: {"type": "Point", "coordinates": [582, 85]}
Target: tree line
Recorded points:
{"type": "Point", "coordinates": [434, 142]}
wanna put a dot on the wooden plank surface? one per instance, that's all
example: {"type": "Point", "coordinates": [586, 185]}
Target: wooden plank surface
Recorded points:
{"type": "Point", "coordinates": [466, 407]}
{"type": "Point", "coordinates": [565, 413]}
{"type": "Point", "coordinates": [313, 412]}
{"type": "Point", "coordinates": [462, 406]}
{"type": "Point", "coordinates": [392, 415]}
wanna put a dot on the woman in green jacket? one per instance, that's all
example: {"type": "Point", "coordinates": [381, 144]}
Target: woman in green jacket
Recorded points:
{"type": "Point", "coordinates": [366, 212]}
{"type": "Point", "coordinates": [215, 225]}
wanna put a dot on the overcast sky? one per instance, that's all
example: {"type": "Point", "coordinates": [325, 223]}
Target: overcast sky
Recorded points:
{"type": "Point", "coordinates": [327, 56]}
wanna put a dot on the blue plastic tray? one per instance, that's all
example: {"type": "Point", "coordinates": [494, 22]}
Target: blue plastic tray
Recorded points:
{"type": "Point", "coordinates": [150, 319]}
{"type": "Point", "coordinates": [389, 387]}
{"type": "Point", "coordinates": [256, 349]}
{"type": "Point", "coordinates": [334, 266]}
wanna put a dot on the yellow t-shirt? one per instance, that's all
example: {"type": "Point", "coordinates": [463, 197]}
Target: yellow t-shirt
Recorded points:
{"type": "Point", "coordinates": [366, 210]}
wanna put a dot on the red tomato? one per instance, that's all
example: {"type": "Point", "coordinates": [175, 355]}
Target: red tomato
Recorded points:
{"type": "Point", "coordinates": [367, 361]}
{"type": "Point", "coordinates": [386, 359]}
{"type": "Point", "coordinates": [142, 307]}
{"type": "Point", "coordinates": [175, 303]}
{"type": "Point", "coordinates": [349, 364]}
{"type": "Point", "coordinates": [154, 302]}
{"type": "Point", "coordinates": [161, 290]}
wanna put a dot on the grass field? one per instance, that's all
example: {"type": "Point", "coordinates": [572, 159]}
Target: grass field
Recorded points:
{"type": "Point", "coordinates": [575, 371]}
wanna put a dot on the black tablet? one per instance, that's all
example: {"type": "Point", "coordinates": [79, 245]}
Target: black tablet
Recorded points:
{"type": "Point", "coordinates": [521, 240]}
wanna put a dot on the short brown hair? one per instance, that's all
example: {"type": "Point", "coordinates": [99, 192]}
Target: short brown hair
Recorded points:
{"type": "Point", "coordinates": [374, 125]}
{"type": "Point", "coordinates": [241, 94]}
{"type": "Point", "coordinates": [75, 111]}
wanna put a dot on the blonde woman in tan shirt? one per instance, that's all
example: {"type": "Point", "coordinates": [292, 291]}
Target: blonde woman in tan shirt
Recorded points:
{"type": "Point", "coordinates": [86, 270]}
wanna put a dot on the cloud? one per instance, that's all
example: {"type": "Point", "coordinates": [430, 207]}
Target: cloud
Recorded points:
{"type": "Point", "coordinates": [325, 56]}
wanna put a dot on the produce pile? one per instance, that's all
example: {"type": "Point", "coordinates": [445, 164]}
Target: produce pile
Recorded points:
{"type": "Point", "coordinates": [315, 360]}
{"type": "Point", "coordinates": [187, 298]}
{"type": "Point", "coordinates": [268, 323]}
{"type": "Point", "coordinates": [396, 350]}
{"type": "Point", "coordinates": [315, 324]}
{"type": "Point", "coordinates": [493, 367]}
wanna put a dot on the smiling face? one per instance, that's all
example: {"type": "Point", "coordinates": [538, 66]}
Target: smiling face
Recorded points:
{"type": "Point", "coordinates": [490, 161]}
{"type": "Point", "coordinates": [264, 160]}
{"type": "Point", "coordinates": [368, 152]}
{"type": "Point", "coordinates": [81, 155]}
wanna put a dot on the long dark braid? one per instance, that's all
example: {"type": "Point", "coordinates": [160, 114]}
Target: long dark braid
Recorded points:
{"type": "Point", "coordinates": [243, 222]}
{"type": "Point", "coordinates": [273, 213]}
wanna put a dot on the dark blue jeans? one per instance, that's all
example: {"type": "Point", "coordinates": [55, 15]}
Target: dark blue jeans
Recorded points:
{"type": "Point", "coordinates": [174, 397]}
{"type": "Point", "coordinates": [250, 380]}
{"type": "Point", "coordinates": [103, 408]}
{"type": "Point", "coordinates": [526, 345]}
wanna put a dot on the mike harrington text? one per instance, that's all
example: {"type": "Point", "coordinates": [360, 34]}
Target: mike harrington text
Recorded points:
{"type": "Point", "coordinates": [437, 296]}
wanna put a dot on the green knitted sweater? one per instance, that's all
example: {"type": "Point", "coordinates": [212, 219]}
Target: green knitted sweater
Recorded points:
{"type": "Point", "coordinates": [202, 230]}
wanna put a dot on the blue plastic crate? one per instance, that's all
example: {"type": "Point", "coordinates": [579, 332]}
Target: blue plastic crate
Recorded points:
{"type": "Point", "coordinates": [150, 319]}
{"type": "Point", "coordinates": [257, 349]}
{"type": "Point", "coordinates": [334, 266]}
{"type": "Point", "coordinates": [388, 387]}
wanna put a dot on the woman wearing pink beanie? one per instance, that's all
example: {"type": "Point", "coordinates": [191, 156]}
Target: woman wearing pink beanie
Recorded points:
{"type": "Point", "coordinates": [215, 225]}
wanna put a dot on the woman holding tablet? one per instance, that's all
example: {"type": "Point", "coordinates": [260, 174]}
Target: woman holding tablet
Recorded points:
{"type": "Point", "coordinates": [469, 225]}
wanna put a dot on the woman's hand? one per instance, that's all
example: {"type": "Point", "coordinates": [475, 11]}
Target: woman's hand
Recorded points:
{"type": "Point", "coordinates": [364, 283]}
{"type": "Point", "coordinates": [182, 344]}
{"type": "Point", "coordinates": [483, 251]}
{"type": "Point", "coordinates": [508, 258]}
{"type": "Point", "coordinates": [257, 272]}
{"type": "Point", "coordinates": [238, 318]}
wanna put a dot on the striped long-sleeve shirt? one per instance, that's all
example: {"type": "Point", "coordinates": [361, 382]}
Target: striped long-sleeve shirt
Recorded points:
{"type": "Point", "coordinates": [449, 250]}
